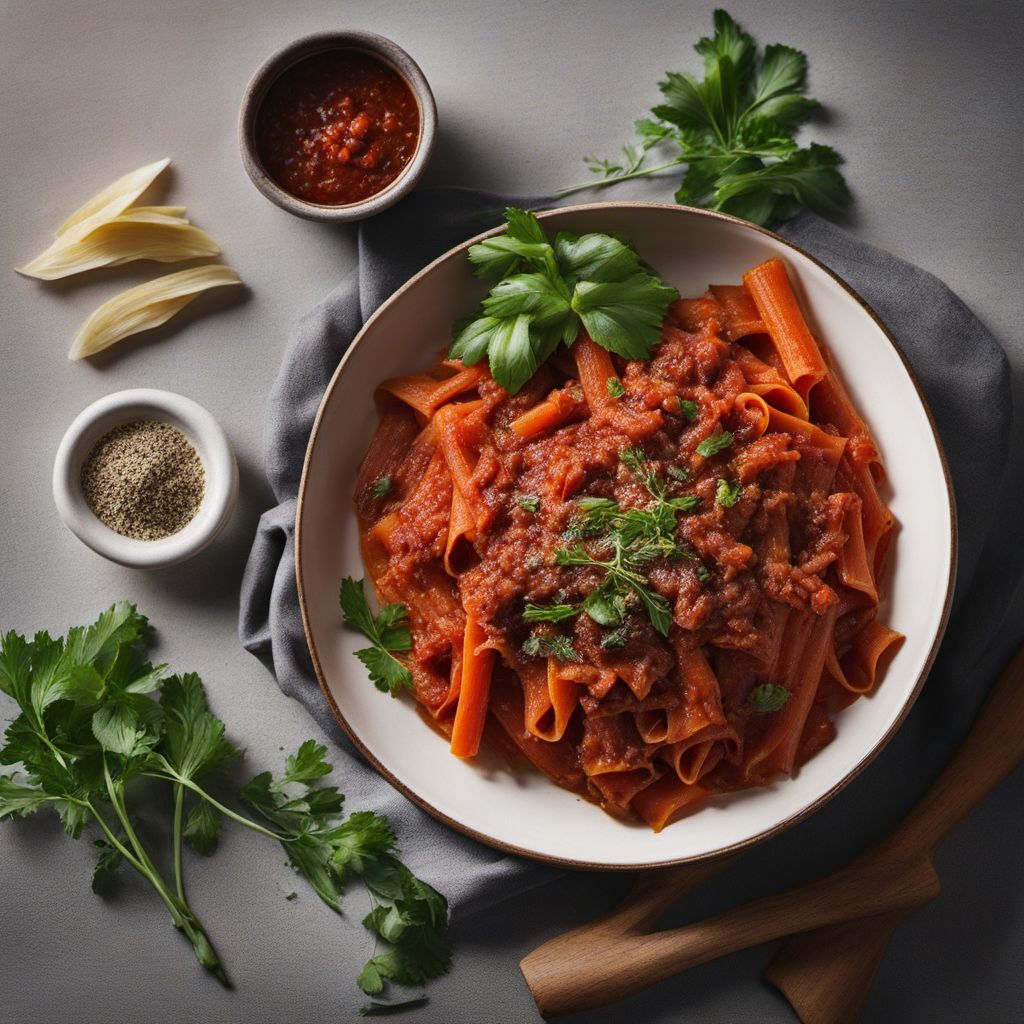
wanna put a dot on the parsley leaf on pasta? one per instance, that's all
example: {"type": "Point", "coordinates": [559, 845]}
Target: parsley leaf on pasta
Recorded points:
{"type": "Point", "coordinates": [512, 354]}
{"type": "Point", "coordinates": [387, 632]}
{"type": "Point", "coordinates": [624, 316]}
{"type": "Point", "coordinates": [727, 493]}
{"type": "Point", "coordinates": [544, 294]}
{"type": "Point", "coordinates": [714, 444]}
{"type": "Point", "coordinates": [635, 538]}
{"type": "Point", "coordinates": [688, 409]}
{"type": "Point", "coordinates": [595, 257]}
{"type": "Point", "coordinates": [606, 606]}
{"type": "Point", "coordinates": [768, 697]}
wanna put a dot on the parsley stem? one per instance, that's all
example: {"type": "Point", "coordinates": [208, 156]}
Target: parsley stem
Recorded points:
{"type": "Point", "coordinates": [112, 839]}
{"type": "Point", "coordinates": [643, 172]}
{"type": "Point", "coordinates": [179, 806]}
{"type": "Point", "coordinates": [182, 915]}
{"type": "Point", "coordinates": [239, 818]}
{"type": "Point", "coordinates": [145, 864]}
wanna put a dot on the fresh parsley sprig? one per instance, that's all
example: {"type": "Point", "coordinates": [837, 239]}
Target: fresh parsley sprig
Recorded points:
{"type": "Point", "coordinates": [330, 851]}
{"type": "Point", "coordinates": [623, 578]}
{"type": "Point", "coordinates": [734, 133]}
{"type": "Point", "coordinates": [88, 728]}
{"type": "Point", "coordinates": [545, 292]}
{"type": "Point", "coordinates": [387, 632]}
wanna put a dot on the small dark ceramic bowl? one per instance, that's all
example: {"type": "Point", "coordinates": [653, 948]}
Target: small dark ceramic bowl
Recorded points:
{"type": "Point", "coordinates": [362, 42]}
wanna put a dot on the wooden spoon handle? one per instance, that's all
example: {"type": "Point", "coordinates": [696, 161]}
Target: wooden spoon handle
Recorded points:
{"type": "Point", "coordinates": [653, 893]}
{"type": "Point", "coordinates": [649, 898]}
{"type": "Point", "coordinates": [574, 972]}
{"type": "Point", "coordinates": [826, 974]}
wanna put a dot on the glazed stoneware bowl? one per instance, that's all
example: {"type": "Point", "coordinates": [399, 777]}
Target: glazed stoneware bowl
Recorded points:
{"type": "Point", "coordinates": [523, 812]}
{"type": "Point", "coordinates": [384, 50]}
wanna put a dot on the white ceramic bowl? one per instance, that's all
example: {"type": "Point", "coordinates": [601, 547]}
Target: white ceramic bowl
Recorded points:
{"type": "Point", "coordinates": [524, 812]}
{"type": "Point", "coordinates": [197, 425]}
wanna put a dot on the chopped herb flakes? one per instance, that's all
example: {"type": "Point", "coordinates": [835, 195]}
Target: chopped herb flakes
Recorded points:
{"type": "Point", "coordinates": [537, 645]}
{"type": "Point", "coordinates": [549, 613]}
{"type": "Point", "coordinates": [714, 444]}
{"type": "Point", "coordinates": [727, 494]}
{"type": "Point", "coordinates": [768, 697]}
{"type": "Point", "coordinates": [688, 409]}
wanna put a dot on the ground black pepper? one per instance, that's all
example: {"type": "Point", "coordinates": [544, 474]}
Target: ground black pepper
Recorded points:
{"type": "Point", "coordinates": [144, 480]}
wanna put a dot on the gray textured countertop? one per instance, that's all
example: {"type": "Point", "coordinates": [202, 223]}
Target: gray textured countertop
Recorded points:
{"type": "Point", "coordinates": [925, 101]}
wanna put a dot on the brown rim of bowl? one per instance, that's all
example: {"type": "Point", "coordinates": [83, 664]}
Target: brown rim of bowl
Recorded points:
{"type": "Point", "coordinates": [786, 823]}
{"type": "Point", "coordinates": [377, 46]}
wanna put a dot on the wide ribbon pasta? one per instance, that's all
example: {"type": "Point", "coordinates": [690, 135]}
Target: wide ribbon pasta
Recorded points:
{"type": "Point", "coordinates": [771, 569]}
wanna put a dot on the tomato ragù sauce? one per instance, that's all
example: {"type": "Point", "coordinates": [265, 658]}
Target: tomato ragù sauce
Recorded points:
{"type": "Point", "coordinates": [337, 128]}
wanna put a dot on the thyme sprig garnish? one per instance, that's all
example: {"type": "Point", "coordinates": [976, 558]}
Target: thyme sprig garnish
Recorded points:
{"type": "Point", "coordinates": [625, 543]}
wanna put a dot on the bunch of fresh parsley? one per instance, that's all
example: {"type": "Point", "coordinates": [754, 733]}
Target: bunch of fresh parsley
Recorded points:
{"type": "Point", "coordinates": [88, 728]}
{"type": "Point", "coordinates": [545, 292]}
{"type": "Point", "coordinates": [734, 133]}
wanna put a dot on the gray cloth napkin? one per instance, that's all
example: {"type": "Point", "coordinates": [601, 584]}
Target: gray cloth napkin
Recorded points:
{"type": "Point", "coordinates": [965, 376]}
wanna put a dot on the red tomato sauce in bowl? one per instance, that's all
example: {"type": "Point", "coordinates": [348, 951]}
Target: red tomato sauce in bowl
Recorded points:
{"type": "Point", "coordinates": [337, 128]}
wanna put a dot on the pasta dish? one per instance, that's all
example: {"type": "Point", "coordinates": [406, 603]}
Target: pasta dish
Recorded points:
{"type": "Point", "coordinates": [655, 580]}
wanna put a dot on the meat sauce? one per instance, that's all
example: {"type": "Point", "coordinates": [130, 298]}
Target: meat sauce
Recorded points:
{"type": "Point", "coordinates": [337, 128]}
{"type": "Point", "coordinates": [721, 595]}
{"type": "Point", "coordinates": [739, 569]}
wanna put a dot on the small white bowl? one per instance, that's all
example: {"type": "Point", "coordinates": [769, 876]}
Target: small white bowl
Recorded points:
{"type": "Point", "coordinates": [197, 425]}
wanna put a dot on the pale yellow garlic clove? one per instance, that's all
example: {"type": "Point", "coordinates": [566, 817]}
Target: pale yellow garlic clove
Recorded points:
{"type": "Point", "coordinates": [145, 233]}
{"type": "Point", "coordinates": [113, 200]}
{"type": "Point", "coordinates": [145, 306]}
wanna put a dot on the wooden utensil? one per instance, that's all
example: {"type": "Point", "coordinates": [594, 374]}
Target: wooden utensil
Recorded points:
{"type": "Point", "coordinates": [826, 975]}
{"type": "Point", "coordinates": [860, 903]}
